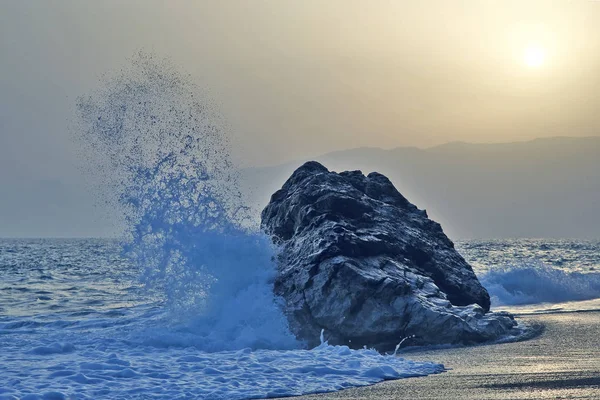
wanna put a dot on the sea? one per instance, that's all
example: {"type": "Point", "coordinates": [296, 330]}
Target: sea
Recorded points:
{"type": "Point", "coordinates": [77, 321]}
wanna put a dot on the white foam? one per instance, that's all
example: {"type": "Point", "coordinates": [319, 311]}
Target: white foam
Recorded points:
{"type": "Point", "coordinates": [535, 283]}
{"type": "Point", "coordinates": [95, 372]}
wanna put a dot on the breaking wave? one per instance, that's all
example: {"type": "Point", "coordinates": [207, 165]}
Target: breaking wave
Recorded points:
{"type": "Point", "coordinates": [535, 283]}
{"type": "Point", "coordinates": [161, 149]}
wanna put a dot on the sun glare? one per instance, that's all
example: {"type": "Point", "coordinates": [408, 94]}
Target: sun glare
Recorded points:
{"type": "Point", "coordinates": [534, 56]}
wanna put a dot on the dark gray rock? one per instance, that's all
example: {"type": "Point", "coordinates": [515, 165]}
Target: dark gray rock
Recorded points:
{"type": "Point", "coordinates": [360, 261]}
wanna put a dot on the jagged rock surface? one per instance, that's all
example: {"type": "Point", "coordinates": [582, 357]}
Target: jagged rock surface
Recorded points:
{"type": "Point", "coordinates": [360, 261]}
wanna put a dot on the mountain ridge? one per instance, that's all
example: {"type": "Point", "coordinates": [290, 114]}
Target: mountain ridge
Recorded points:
{"type": "Point", "coordinates": [546, 187]}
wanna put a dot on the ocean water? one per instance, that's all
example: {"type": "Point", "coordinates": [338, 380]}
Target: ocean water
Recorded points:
{"type": "Point", "coordinates": [537, 275]}
{"type": "Point", "coordinates": [76, 322]}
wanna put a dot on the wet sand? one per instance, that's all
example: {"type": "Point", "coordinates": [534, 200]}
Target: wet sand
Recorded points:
{"type": "Point", "coordinates": [561, 363]}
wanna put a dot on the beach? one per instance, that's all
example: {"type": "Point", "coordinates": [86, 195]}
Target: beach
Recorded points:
{"type": "Point", "coordinates": [563, 362]}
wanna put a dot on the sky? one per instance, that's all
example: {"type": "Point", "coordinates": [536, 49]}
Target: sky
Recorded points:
{"type": "Point", "coordinates": [294, 79]}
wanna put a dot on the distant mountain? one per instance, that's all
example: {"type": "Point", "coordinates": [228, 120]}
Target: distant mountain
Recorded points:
{"type": "Point", "coordinates": [541, 188]}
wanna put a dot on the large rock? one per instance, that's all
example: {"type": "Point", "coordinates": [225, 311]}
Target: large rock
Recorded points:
{"type": "Point", "coordinates": [360, 261]}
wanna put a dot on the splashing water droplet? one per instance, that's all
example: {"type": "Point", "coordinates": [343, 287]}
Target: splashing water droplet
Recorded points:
{"type": "Point", "coordinates": [158, 148]}
{"type": "Point", "coordinates": [402, 341]}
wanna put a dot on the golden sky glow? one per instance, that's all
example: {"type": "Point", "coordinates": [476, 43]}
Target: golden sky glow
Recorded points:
{"type": "Point", "coordinates": [299, 78]}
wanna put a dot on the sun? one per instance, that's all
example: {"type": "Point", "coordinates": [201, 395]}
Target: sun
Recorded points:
{"type": "Point", "coordinates": [534, 56]}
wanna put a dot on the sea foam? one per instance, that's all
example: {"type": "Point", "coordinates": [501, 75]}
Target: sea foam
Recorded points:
{"type": "Point", "coordinates": [536, 282]}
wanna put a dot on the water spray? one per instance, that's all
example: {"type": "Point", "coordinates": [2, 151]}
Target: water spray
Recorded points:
{"type": "Point", "coordinates": [402, 341]}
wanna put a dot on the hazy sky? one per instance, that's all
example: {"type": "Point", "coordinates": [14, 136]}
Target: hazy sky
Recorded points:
{"type": "Point", "coordinates": [297, 78]}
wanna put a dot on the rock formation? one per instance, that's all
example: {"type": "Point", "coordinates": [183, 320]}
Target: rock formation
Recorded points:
{"type": "Point", "coordinates": [360, 261]}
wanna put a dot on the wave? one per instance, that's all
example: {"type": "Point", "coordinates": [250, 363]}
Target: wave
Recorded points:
{"type": "Point", "coordinates": [538, 283]}
{"type": "Point", "coordinates": [159, 149]}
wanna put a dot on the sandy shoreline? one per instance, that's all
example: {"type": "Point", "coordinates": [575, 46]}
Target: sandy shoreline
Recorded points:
{"type": "Point", "coordinates": [562, 362]}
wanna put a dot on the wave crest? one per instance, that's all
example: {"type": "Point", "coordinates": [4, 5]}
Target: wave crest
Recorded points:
{"type": "Point", "coordinates": [539, 283]}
